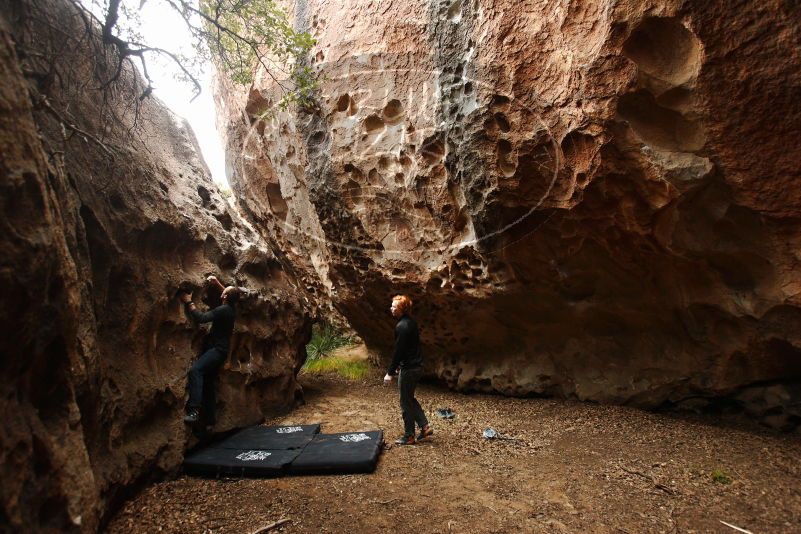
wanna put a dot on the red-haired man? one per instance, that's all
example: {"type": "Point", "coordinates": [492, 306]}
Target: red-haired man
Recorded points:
{"type": "Point", "coordinates": [409, 359]}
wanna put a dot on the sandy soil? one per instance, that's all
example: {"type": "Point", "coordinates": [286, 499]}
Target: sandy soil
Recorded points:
{"type": "Point", "coordinates": [572, 467]}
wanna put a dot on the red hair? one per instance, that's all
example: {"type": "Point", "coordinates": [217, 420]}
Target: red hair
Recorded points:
{"type": "Point", "coordinates": [404, 303]}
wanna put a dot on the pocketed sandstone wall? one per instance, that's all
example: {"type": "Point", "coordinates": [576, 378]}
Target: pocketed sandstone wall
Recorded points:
{"type": "Point", "coordinates": [102, 223]}
{"type": "Point", "coordinates": [586, 199]}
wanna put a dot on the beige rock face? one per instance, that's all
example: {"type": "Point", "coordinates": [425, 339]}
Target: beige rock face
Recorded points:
{"type": "Point", "coordinates": [94, 343]}
{"type": "Point", "coordinates": [585, 199]}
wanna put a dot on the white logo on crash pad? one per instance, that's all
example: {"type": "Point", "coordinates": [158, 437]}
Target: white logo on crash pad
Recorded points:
{"type": "Point", "coordinates": [253, 455]}
{"type": "Point", "coordinates": [354, 438]}
{"type": "Point", "coordinates": [288, 429]}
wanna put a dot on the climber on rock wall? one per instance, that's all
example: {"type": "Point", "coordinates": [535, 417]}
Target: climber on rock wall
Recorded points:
{"type": "Point", "coordinates": [409, 359]}
{"type": "Point", "coordinates": [213, 354]}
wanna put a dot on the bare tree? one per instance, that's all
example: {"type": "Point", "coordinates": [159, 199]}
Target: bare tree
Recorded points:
{"type": "Point", "coordinates": [238, 35]}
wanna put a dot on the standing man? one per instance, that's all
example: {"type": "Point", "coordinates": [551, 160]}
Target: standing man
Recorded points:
{"type": "Point", "coordinates": [409, 359]}
{"type": "Point", "coordinates": [215, 351]}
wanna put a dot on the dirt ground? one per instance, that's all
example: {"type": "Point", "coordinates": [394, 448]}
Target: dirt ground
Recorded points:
{"type": "Point", "coordinates": [572, 467]}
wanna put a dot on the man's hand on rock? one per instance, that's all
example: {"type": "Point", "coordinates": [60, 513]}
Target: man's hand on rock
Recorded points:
{"type": "Point", "coordinates": [212, 280]}
{"type": "Point", "coordinates": [186, 298]}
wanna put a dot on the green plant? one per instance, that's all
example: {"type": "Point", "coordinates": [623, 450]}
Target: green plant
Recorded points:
{"type": "Point", "coordinates": [349, 368]}
{"type": "Point", "coordinates": [239, 36]}
{"type": "Point", "coordinates": [721, 476]}
{"type": "Point", "coordinates": [325, 339]}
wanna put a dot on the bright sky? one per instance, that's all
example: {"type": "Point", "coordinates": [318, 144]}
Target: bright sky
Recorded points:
{"type": "Point", "coordinates": [162, 27]}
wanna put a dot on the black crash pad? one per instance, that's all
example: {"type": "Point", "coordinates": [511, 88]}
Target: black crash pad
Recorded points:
{"type": "Point", "coordinates": [348, 452]}
{"type": "Point", "coordinates": [270, 438]}
{"type": "Point", "coordinates": [239, 462]}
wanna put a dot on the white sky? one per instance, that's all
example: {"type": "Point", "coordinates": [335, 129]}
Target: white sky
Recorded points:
{"type": "Point", "coordinates": [163, 28]}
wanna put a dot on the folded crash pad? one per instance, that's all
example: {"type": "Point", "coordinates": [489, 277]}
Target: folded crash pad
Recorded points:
{"type": "Point", "coordinates": [270, 438]}
{"type": "Point", "coordinates": [349, 452]}
{"type": "Point", "coordinates": [239, 462]}
{"type": "Point", "coordinates": [271, 451]}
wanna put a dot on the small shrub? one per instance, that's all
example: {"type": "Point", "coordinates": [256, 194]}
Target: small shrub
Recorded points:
{"type": "Point", "coordinates": [325, 339]}
{"type": "Point", "coordinates": [721, 476]}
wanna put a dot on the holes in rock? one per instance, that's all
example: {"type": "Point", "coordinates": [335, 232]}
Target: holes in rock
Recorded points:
{"type": "Point", "coordinates": [225, 219]}
{"type": "Point", "coordinates": [242, 354]}
{"type": "Point", "coordinates": [400, 236]}
{"type": "Point", "coordinates": [393, 112]}
{"type": "Point", "coordinates": [499, 101]}
{"type": "Point", "coordinates": [406, 162]}
{"type": "Point", "coordinates": [278, 205]}
{"type": "Point", "coordinates": [117, 202]}
{"type": "Point", "coordinates": [740, 270]}
{"type": "Point", "coordinates": [257, 104]}
{"type": "Point", "coordinates": [502, 122]}
{"type": "Point", "coordinates": [374, 178]}
{"type": "Point", "coordinates": [204, 195]}
{"type": "Point", "coordinates": [468, 88]}
{"type": "Point", "coordinates": [373, 124]}
{"type": "Point", "coordinates": [660, 127]}
{"type": "Point", "coordinates": [579, 150]}
{"type": "Point", "coordinates": [455, 12]}
{"type": "Point", "coordinates": [678, 99]}
{"type": "Point", "coordinates": [506, 160]}
{"type": "Point", "coordinates": [383, 163]}
{"type": "Point", "coordinates": [346, 104]}
{"type": "Point", "coordinates": [535, 169]}
{"type": "Point", "coordinates": [317, 139]}
{"type": "Point", "coordinates": [227, 261]}
{"type": "Point", "coordinates": [433, 151]}
{"type": "Point", "coordinates": [352, 193]}
{"type": "Point", "coordinates": [400, 178]}
{"type": "Point", "coordinates": [665, 51]}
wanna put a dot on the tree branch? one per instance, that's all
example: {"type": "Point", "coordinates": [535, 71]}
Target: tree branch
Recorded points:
{"type": "Point", "coordinates": [44, 103]}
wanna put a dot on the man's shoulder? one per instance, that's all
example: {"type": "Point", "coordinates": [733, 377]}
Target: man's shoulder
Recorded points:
{"type": "Point", "coordinates": [406, 323]}
{"type": "Point", "coordinates": [225, 309]}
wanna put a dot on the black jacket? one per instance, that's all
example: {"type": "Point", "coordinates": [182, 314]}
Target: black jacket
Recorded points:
{"type": "Point", "coordinates": [222, 326]}
{"type": "Point", "coordinates": [407, 346]}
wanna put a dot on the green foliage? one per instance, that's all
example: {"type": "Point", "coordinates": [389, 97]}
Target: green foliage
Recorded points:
{"type": "Point", "coordinates": [244, 35]}
{"type": "Point", "coordinates": [351, 369]}
{"type": "Point", "coordinates": [325, 339]}
{"type": "Point", "coordinates": [721, 476]}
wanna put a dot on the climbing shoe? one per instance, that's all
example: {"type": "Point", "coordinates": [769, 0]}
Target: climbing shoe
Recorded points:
{"type": "Point", "coordinates": [192, 416]}
{"type": "Point", "coordinates": [405, 440]}
{"type": "Point", "coordinates": [425, 432]}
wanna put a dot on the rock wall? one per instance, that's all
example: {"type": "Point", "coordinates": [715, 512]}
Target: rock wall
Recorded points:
{"type": "Point", "coordinates": [586, 199]}
{"type": "Point", "coordinates": [103, 221]}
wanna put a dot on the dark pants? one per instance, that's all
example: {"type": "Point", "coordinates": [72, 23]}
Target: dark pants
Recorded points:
{"type": "Point", "coordinates": [410, 408]}
{"type": "Point", "coordinates": [201, 382]}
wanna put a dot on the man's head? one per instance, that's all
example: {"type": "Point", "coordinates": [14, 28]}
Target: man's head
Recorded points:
{"type": "Point", "coordinates": [401, 304]}
{"type": "Point", "coordinates": [230, 295]}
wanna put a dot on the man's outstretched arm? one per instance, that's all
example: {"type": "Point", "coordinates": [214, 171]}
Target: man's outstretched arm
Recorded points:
{"type": "Point", "coordinates": [214, 281]}
{"type": "Point", "coordinates": [194, 312]}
